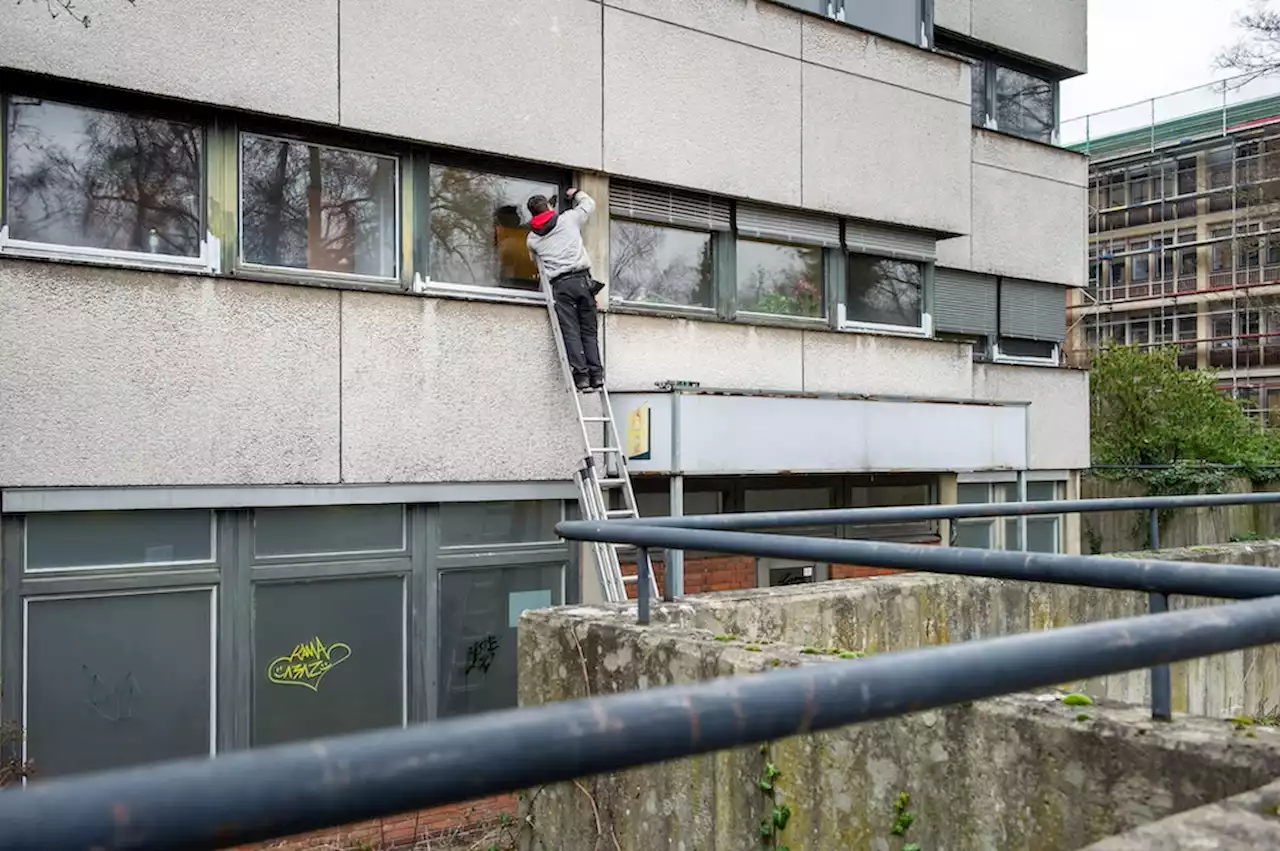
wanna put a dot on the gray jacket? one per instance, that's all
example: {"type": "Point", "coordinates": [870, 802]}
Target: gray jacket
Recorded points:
{"type": "Point", "coordinates": [555, 241]}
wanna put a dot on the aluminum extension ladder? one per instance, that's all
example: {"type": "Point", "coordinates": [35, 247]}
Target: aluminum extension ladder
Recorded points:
{"type": "Point", "coordinates": [603, 469]}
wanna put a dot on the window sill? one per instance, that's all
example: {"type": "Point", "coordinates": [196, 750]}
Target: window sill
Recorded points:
{"type": "Point", "coordinates": [473, 292]}
{"type": "Point", "coordinates": [206, 263]}
{"type": "Point", "coordinates": [923, 331]}
{"type": "Point", "coordinates": [778, 320]}
{"type": "Point", "coordinates": [315, 277]}
{"type": "Point", "coordinates": [639, 308]}
{"type": "Point", "coordinates": [1006, 134]}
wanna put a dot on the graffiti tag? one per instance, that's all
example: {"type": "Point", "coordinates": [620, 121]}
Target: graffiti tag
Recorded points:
{"type": "Point", "coordinates": [113, 703]}
{"type": "Point", "coordinates": [480, 654]}
{"type": "Point", "coordinates": [308, 663]}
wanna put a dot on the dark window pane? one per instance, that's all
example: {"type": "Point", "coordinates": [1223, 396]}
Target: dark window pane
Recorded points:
{"type": "Point", "coordinates": [328, 529]}
{"type": "Point", "coordinates": [116, 681]}
{"type": "Point", "coordinates": [479, 224]}
{"type": "Point", "coordinates": [660, 265]}
{"type": "Point", "coordinates": [884, 292]}
{"type": "Point", "coordinates": [479, 610]}
{"type": "Point", "coordinates": [779, 279]}
{"type": "Point", "coordinates": [311, 207]}
{"type": "Point", "coordinates": [96, 179]}
{"type": "Point", "coordinates": [1019, 348]}
{"type": "Point", "coordinates": [978, 71]}
{"type": "Point", "coordinates": [1042, 534]}
{"type": "Point", "coordinates": [118, 538]}
{"type": "Point", "coordinates": [1024, 105]}
{"type": "Point", "coordinates": [328, 658]}
{"type": "Point", "coordinates": [470, 523]}
{"type": "Point", "coordinates": [973, 494]}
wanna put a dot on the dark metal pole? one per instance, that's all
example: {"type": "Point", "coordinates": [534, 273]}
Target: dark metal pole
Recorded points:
{"type": "Point", "coordinates": [250, 796]}
{"type": "Point", "coordinates": [1125, 574]}
{"type": "Point", "coordinates": [643, 583]}
{"type": "Point", "coordinates": [1157, 604]}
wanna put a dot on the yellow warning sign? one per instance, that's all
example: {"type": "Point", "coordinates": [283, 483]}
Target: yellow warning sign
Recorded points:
{"type": "Point", "coordinates": [638, 434]}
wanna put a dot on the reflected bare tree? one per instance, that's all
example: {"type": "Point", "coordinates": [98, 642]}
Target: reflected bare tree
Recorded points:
{"type": "Point", "coordinates": [102, 179]}
{"type": "Point", "coordinates": [888, 291]}
{"type": "Point", "coordinates": [478, 226]}
{"type": "Point", "coordinates": [660, 265]}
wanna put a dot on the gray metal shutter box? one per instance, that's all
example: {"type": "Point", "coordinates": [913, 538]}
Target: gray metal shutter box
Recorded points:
{"type": "Point", "coordinates": [668, 206]}
{"type": "Point", "coordinates": [1033, 311]}
{"type": "Point", "coordinates": [964, 302]}
{"type": "Point", "coordinates": [788, 225]}
{"type": "Point", "coordinates": [889, 242]}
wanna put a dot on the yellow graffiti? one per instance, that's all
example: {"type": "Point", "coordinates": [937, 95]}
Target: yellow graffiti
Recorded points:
{"type": "Point", "coordinates": [308, 663]}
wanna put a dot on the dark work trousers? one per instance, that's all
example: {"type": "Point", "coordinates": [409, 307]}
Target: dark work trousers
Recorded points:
{"type": "Point", "coordinates": [576, 310]}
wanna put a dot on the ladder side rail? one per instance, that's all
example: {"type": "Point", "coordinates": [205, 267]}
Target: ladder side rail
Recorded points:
{"type": "Point", "coordinates": [628, 492]}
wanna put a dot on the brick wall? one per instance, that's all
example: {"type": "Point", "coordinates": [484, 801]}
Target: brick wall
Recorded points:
{"type": "Point", "coordinates": [459, 822]}
{"type": "Point", "coordinates": [711, 573]}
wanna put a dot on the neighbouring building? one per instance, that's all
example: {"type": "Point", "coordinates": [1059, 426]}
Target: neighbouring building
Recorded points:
{"type": "Point", "coordinates": [1184, 234]}
{"type": "Point", "coordinates": [283, 438]}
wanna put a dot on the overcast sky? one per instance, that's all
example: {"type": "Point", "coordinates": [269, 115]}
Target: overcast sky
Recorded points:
{"type": "Point", "coordinates": [1140, 49]}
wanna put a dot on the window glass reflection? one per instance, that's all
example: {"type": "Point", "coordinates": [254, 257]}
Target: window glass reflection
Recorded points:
{"type": "Point", "coordinates": [1024, 104]}
{"type": "Point", "coordinates": [885, 292]}
{"type": "Point", "coordinates": [479, 224]}
{"type": "Point", "coordinates": [780, 279]}
{"type": "Point", "coordinates": [312, 207]}
{"type": "Point", "coordinates": [660, 265]}
{"type": "Point", "coordinates": [97, 179]}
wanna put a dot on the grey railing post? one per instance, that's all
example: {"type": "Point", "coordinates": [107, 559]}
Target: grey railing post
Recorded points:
{"type": "Point", "coordinates": [1161, 682]}
{"type": "Point", "coordinates": [644, 569]}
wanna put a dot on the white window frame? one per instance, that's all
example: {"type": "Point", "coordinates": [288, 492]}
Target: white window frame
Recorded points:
{"type": "Point", "coordinates": [1022, 360]}
{"type": "Point", "coordinates": [923, 331]}
{"type": "Point", "coordinates": [996, 525]}
{"type": "Point", "coordinates": [319, 274]}
{"type": "Point", "coordinates": [208, 262]}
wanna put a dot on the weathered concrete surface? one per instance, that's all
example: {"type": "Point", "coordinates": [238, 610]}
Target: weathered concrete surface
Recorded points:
{"type": "Point", "coordinates": [907, 611]}
{"type": "Point", "coordinates": [1244, 823]}
{"type": "Point", "coordinates": [1016, 772]}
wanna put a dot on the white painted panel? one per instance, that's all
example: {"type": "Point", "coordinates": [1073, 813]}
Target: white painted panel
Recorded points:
{"type": "Point", "coordinates": [767, 434]}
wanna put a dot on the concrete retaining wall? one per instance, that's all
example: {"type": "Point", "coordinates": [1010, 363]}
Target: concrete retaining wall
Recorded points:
{"type": "Point", "coordinates": [1016, 772]}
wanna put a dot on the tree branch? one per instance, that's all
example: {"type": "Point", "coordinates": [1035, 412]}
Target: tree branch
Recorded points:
{"type": "Point", "coordinates": [59, 8]}
{"type": "Point", "coordinates": [1257, 52]}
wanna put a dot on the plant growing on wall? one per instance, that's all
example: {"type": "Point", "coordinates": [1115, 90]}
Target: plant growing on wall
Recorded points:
{"type": "Point", "coordinates": [13, 768]}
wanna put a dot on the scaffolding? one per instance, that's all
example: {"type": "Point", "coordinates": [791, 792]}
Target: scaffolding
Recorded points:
{"type": "Point", "coordinates": [1184, 234]}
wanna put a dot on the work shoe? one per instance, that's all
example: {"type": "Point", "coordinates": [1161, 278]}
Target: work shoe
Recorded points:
{"type": "Point", "coordinates": [597, 382]}
{"type": "Point", "coordinates": [584, 385]}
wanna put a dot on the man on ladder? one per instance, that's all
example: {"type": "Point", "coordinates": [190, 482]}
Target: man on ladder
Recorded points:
{"type": "Point", "coordinates": [555, 243]}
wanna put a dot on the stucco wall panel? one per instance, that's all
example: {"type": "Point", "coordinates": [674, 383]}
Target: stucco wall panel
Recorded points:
{"type": "Point", "coordinates": [1032, 158]}
{"type": "Point", "coordinates": [693, 110]}
{"type": "Point", "coordinates": [127, 378]}
{"type": "Point", "coordinates": [758, 23]}
{"type": "Point", "coordinates": [1028, 227]}
{"type": "Point", "coordinates": [953, 15]}
{"type": "Point", "coordinates": [452, 391]}
{"type": "Point", "coordinates": [857, 52]}
{"type": "Point", "coordinates": [870, 363]}
{"type": "Point", "coordinates": [279, 58]}
{"type": "Point", "coordinates": [1059, 409]}
{"type": "Point", "coordinates": [1053, 32]}
{"type": "Point", "coordinates": [641, 350]}
{"type": "Point", "coordinates": [884, 153]}
{"type": "Point", "coordinates": [466, 74]}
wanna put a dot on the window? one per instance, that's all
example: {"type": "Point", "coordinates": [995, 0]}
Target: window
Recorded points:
{"type": "Point", "coordinates": [487, 523]}
{"type": "Point", "coordinates": [104, 182]}
{"type": "Point", "coordinates": [318, 208]}
{"type": "Point", "coordinates": [1187, 263]}
{"type": "Point", "coordinates": [780, 279]}
{"type": "Point", "coordinates": [1044, 532]}
{"type": "Point", "coordinates": [901, 19]}
{"type": "Point", "coordinates": [328, 530]}
{"type": "Point", "coordinates": [479, 223]}
{"type": "Point", "coordinates": [1018, 349]}
{"type": "Point", "coordinates": [661, 265]}
{"type": "Point", "coordinates": [1141, 263]}
{"type": "Point", "coordinates": [328, 657]}
{"type": "Point", "coordinates": [1021, 102]}
{"type": "Point", "coordinates": [1186, 176]}
{"type": "Point", "coordinates": [95, 539]}
{"type": "Point", "coordinates": [883, 291]}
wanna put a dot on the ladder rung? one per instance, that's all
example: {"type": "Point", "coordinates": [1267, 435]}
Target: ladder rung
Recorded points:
{"type": "Point", "coordinates": [603, 449]}
{"type": "Point", "coordinates": [621, 512]}
{"type": "Point", "coordinates": [612, 483]}
{"type": "Point", "coordinates": [629, 580]}
{"type": "Point", "coordinates": [596, 419]}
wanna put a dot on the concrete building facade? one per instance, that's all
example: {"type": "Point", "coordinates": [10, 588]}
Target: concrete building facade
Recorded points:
{"type": "Point", "coordinates": [281, 410]}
